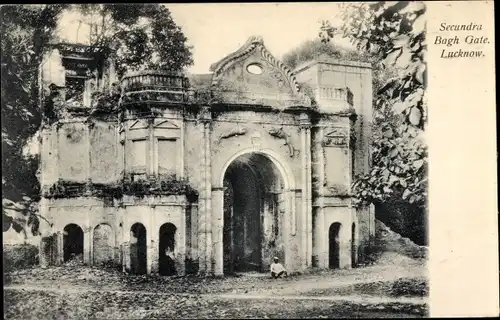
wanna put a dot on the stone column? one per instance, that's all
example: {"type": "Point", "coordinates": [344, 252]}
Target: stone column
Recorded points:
{"type": "Point", "coordinates": [306, 230]}
{"type": "Point", "coordinates": [44, 252]}
{"type": "Point", "coordinates": [87, 246]}
{"type": "Point", "coordinates": [303, 230]}
{"type": "Point", "coordinates": [151, 243]}
{"type": "Point", "coordinates": [59, 248]}
{"type": "Point", "coordinates": [202, 227]}
{"type": "Point", "coordinates": [181, 242]}
{"type": "Point", "coordinates": [217, 229]}
{"type": "Point", "coordinates": [88, 163]}
{"type": "Point", "coordinates": [208, 188]}
{"type": "Point", "coordinates": [205, 220]}
{"type": "Point", "coordinates": [125, 243]}
{"type": "Point", "coordinates": [121, 151]}
{"type": "Point", "coordinates": [319, 251]}
{"type": "Point", "coordinates": [345, 246]}
{"type": "Point", "coordinates": [151, 170]}
{"type": "Point", "coordinates": [309, 196]}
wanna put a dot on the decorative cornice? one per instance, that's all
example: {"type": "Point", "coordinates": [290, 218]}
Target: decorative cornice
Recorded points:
{"type": "Point", "coordinates": [252, 44]}
{"type": "Point", "coordinates": [218, 67]}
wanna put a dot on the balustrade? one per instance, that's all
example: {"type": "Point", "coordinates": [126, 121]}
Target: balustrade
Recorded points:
{"type": "Point", "coordinates": [154, 86]}
{"type": "Point", "coordinates": [329, 93]}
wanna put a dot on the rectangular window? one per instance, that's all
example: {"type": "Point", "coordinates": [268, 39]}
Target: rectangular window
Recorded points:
{"type": "Point", "coordinates": [139, 156]}
{"type": "Point", "coordinates": [75, 86]}
{"type": "Point", "coordinates": [337, 169]}
{"type": "Point", "coordinates": [167, 156]}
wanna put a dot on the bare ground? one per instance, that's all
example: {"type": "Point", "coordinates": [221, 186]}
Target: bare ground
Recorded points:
{"type": "Point", "coordinates": [383, 290]}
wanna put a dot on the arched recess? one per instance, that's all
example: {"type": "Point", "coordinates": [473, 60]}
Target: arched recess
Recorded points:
{"type": "Point", "coordinates": [354, 247]}
{"type": "Point", "coordinates": [72, 242]}
{"type": "Point", "coordinates": [103, 245]}
{"type": "Point", "coordinates": [167, 250]}
{"type": "Point", "coordinates": [285, 170]}
{"type": "Point", "coordinates": [253, 213]}
{"type": "Point", "coordinates": [138, 249]}
{"type": "Point", "coordinates": [334, 245]}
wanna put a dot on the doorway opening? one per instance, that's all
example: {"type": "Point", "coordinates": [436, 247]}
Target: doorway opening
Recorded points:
{"type": "Point", "coordinates": [334, 246]}
{"type": "Point", "coordinates": [167, 250]}
{"type": "Point", "coordinates": [73, 242]}
{"type": "Point", "coordinates": [253, 214]}
{"type": "Point", "coordinates": [138, 249]}
{"type": "Point", "coordinates": [354, 251]}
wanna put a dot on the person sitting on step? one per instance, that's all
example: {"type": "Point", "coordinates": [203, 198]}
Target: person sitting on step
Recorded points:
{"type": "Point", "coordinates": [277, 269]}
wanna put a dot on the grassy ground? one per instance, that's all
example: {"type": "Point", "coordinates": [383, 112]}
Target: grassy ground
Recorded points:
{"type": "Point", "coordinates": [75, 291]}
{"type": "Point", "coordinates": [108, 305]}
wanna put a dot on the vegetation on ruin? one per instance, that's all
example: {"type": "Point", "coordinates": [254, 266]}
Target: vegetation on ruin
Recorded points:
{"type": "Point", "coordinates": [394, 34]}
{"type": "Point", "coordinates": [137, 36]}
{"type": "Point", "coordinates": [25, 33]}
{"type": "Point", "coordinates": [391, 38]}
{"type": "Point", "coordinates": [159, 185]}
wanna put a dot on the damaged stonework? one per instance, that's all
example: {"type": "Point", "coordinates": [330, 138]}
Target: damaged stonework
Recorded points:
{"type": "Point", "coordinates": [207, 174]}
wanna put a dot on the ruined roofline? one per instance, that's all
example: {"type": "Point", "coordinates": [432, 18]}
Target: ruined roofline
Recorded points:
{"type": "Point", "coordinates": [337, 62]}
{"type": "Point", "coordinates": [251, 45]}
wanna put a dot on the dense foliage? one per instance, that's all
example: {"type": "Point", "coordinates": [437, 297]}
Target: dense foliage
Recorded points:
{"type": "Point", "coordinates": [140, 36]}
{"type": "Point", "coordinates": [25, 33]}
{"type": "Point", "coordinates": [394, 34]}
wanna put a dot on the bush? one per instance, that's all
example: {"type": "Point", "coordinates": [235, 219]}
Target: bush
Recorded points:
{"type": "Point", "coordinates": [410, 287]}
{"type": "Point", "coordinates": [19, 256]}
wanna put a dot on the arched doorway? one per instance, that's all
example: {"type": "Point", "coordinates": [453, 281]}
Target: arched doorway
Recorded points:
{"type": "Point", "coordinates": [334, 246]}
{"type": "Point", "coordinates": [103, 244]}
{"type": "Point", "coordinates": [167, 250]}
{"type": "Point", "coordinates": [253, 214]}
{"type": "Point", "coordinates": [73, 242]}
{"type": "Point", "coordinates": [138, 249]}
{"type": "Point", "coordinates": [354, 251]}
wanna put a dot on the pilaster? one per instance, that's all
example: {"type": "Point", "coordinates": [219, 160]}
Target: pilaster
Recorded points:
{"type": "Point", "coordinates": [206, 260]}
{"type": "Point", "coordinates": [305, 125]}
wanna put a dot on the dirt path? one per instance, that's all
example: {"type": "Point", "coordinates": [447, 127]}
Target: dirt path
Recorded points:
{"type": "Point", "coordinates": [351, 298]}
{"type": "Point", "coordinates": [385, 273]}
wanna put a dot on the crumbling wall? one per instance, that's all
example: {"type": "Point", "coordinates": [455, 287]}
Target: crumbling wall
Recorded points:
{"type": "Point", "coordinates": [103, 152]}
{"type": "Point", "coordinates": [103, 245]}
{"type": "Point", "coordinates": [73, 152]}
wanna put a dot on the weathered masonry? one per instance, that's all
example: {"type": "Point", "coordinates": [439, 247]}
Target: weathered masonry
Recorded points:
{"type": "Point", "coordinates": [212, 173]}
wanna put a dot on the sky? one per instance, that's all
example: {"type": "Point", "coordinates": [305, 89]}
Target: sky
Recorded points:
{"type": "Point", "coordinates": [216, 30]}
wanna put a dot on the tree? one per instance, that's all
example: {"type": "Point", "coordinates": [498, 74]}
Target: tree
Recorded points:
{"type": "Point", "coordinates": [394, 33]}
{"type": "Point", "coordinates": [26, 31]}
{"type": "Point", "coordinates": [138, 36]}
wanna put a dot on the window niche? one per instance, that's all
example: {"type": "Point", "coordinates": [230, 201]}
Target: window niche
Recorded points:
{"type": "Point", "coordinates": [168, 147]}
{"type": "Point", "coordinates": [154, 148]}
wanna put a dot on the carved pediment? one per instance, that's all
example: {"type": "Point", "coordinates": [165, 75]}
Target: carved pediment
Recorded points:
{"type": "Point", "coordinates": [164, 124]}
{"type": "Point", "coordinates": [139, 124]}
{"type": "Point", "coordinates": [251, 75]}
{"type": "Point", "coordinates": [336, 137]}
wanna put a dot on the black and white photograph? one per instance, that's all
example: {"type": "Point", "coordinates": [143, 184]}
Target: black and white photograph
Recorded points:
{"type": "Point", "coordinates": [215, 160]}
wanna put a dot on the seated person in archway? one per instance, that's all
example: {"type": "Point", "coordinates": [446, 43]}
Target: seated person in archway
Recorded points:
{"type": "Point", "coordinates": [277, 269]}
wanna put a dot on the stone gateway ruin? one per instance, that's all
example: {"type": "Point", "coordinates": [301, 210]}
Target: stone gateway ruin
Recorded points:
{"type": "Point", "coordinates": [210, 174]}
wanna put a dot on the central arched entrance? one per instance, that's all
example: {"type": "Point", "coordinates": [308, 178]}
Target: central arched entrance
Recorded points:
{"type": "Point", "coordinates": [253, 214]}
